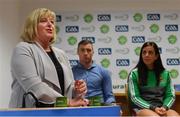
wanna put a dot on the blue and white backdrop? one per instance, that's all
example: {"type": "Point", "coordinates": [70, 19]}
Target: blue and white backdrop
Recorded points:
{"type": "Point", "coordinates": [118, 36]}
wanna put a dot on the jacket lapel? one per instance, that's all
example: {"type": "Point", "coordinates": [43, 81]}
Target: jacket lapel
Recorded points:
{"type": "Point", "coordinates": [49, 68]}
{"type": "Point", "coordinates": [68, 78]}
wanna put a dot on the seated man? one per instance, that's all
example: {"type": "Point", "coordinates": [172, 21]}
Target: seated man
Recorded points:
{"type": "Point", "coordinates": [97, 78]}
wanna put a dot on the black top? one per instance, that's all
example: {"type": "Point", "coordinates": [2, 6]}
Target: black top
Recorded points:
{"type": "Point", "coordinates": [59, 69]}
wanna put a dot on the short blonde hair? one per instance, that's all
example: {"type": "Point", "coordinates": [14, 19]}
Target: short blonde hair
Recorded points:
{"type": "Point", "coordinates": [30, 28]}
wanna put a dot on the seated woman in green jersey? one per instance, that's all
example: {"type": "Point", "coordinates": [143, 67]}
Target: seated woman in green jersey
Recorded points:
{"type": "Point", "coordinates": [150, 89]}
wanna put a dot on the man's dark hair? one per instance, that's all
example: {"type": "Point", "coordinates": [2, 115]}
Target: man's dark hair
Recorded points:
{"type": "Point", "coordinates": [84, 42]}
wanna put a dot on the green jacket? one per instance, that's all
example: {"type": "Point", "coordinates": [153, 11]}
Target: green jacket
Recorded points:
{"type": "Point", "coordinates": [151, 95]}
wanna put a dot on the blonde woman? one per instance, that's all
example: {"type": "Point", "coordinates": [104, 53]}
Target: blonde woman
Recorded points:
{"type": "Point", "coordinates": [40, 68]}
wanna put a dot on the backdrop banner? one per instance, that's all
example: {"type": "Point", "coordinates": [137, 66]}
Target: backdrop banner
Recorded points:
{"type": "Point", "coordinates": [118, 37]}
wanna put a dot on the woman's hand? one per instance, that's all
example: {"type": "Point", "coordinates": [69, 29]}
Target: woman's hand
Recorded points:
{"type": "Point", "coordinates": [160, 110]}
{"type": "Point", "coordinates": [78, 102]}
{"type": "Point", "coordinates": [80, 88]}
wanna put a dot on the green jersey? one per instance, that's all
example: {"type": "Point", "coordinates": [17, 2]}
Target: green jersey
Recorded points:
{"type": "Point", "coordinates": [150, 94]}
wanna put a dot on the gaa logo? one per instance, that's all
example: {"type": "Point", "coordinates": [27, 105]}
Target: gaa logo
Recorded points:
{"type": "Point", "coordinates": [104, 51]}
{"type": "Point", "coordinates": [171, 27]}
{"type": "Point", "coordinates": [122, 62]}
{"type": "Point", "coordinates": [152, 17]}
{"type": "Point", "coordinates": [104, 17]}
{"type": "Point", "coordinates": [92, 39]}
{"type": "Point", "coordinates": [73, 62]}
{"type": "Point", "coordinates": [172, 61]}
{"type": "Point", "coordinates": [138, 39]}
{"type": "Point", "coordinates": [121, 28]}
{"type": "Point", "coordinates": [58, 18]}
{"type": "Point", "coordinates": [72, 29]}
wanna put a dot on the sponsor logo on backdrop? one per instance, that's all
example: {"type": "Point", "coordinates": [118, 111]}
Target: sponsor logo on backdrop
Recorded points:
{"type": "Point", "coordinates": [71, 51]}
{"type": "Point", "coordinates": [88, 18]}
{"type": "Point", "coordinates": [138, 17]}
{"type": "Point", "coordinates": [72, 40]}
{"type": "Point", "coordinates": [105, 62]}
{"type": "Point", "coordinates": [152, 17]}
{"type": "Point", "coordinates": [172, 39]}
{"type": "Point", "coordinates": [172, 16]}
{"type": "Point", "coordinates": [123, 74]}
{"type": "Point", "coordinates": [118, 39]}
{"type": "Point", "coordinates": [137, 51]}
{"type": "Point", "coordinates": [105, 39]}
{"type": "Point", "coordinates": [139, 28]}
{"type": "Point", "coordinates": [72, 29]}
{"type": "Point", "coordinates": [88, 28]}
{"type": "Point", "coordinates": [123, 17]}
{"type": "Point", "coordinates": [172, 27]}
{"type": "Point", "coordinates": [104, 28]}
{"type": "Point", "coordinates": [174, 50]}
{"type": "Point", "coordinates": [73, 62]}
{"type": "Point", "coordinates": [155, 39]}
{"type": "Point", "coordinates": [122, 40]}
{"type": "Point", "coordinates": [104, 17]}
{"type": "Point", "coordinates": [118, 86]}
{"type": "Point", "coordinates": [58, 18]}
{"type": "Point", "coordinates": [173, 61]}
{"type": "Point", "coordinates": [122, 62]}
{"type": "Point", "coordinates": [121, 28]}
{"type": "Point", "coordinates": [122, 51]}
{"type": "Point", "coordinates": [104, 51]}
{"type": "Point", "coordinates": [154, 28]}
{"type": "Point", "coordinates": [174, 73]}
{"type": "Point", "coordinates": [92, 39]}
{"type": "Point", "coordinates": [73, 18]}
{"type": "Point", "coordinates": [138, 39]}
